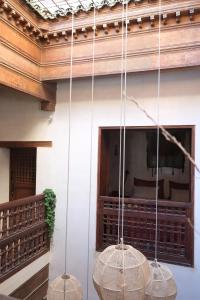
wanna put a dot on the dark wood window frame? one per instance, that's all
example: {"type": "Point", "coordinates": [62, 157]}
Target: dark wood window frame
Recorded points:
{"type": "Point", "coordinates": [23, 162]}
{"type": "Point", "coordinates": [29, 145]}
{"type": "Point", "coordinates": [171, 214]}
{"type": "Point", "coordinates": [25, 144]}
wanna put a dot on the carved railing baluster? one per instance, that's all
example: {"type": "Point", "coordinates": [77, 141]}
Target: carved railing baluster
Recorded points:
{"type": "Point", "coordinates": [4, 220]}
{"type": "Point", "coordinates": [174, 232]}
{"type": "Point", "coordinates": [23, 234]}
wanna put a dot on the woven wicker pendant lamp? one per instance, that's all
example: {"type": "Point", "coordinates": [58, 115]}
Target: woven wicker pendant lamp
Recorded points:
{"type": "Point", "coordinates": [162, 285]}
{"type": "Point", "coordinates": [66, 287]}
{"type": "Point", "coordinates": [121, 273]}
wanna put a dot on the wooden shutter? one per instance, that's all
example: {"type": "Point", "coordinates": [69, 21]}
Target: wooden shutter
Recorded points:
{"type": "Point", "coordinates": [22, 172]}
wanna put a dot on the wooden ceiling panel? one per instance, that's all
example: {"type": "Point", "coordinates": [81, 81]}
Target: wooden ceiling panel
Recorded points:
{"type": "Point", "coordinates": [34, 50]}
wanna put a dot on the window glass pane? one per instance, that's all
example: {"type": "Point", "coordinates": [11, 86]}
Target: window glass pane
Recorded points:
{"type": "Point", "coordinates": [140, 164]}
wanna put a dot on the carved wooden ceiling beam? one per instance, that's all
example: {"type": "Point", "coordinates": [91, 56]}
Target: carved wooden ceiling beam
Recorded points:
{"type": "Point", "coordinates": [145, 23]}
{"type": "Point", "coordinates": [20, 56]}
{"type": "Point", "coordinates": [36, 51]}
{"type": "Point", "coordinates": [17, 18]}
{"type": "Point", "coordinates": [43, 36]}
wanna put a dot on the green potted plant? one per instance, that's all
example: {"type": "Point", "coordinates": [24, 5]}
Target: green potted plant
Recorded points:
{"type": "Point", "coordinates": [50, 205]}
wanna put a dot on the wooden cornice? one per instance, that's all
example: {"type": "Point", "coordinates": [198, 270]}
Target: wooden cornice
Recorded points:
{"type": "Point", "coordinates": [46, 93]}
{"type": "Point", "coordinates": [140, 15]}
{"type": "Point", "coordinates": [18, 15]}
{"type": "Point", "coordinates": [180, 45]}
{"type": "Point", "coordinates": [144, 10]}
{"type": "Point", "coordinates": [36, 51]}
{"type": "Point", "coordinates": [21, 54]}
{"type": "Point", "coordinates": [25, 144]}
{"type": "Point", "coordinates": [113, 27]}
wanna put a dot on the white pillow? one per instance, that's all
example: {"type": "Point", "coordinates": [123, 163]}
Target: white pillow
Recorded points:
{"type": "Point", "coordinates": [146, 192]}
{"type": "Point", "coordinates": [180, 195]}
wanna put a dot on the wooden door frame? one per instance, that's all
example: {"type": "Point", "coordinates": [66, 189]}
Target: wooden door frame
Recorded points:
{"type": "Point", "coordinates": [23, 144]}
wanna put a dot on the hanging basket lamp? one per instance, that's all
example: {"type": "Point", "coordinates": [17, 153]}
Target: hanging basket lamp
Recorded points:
{"type": "Point", "coordinates": [121, 273]}
{"type": "Point", "coordinates": [162, 285]}
{"type": "Point", "coordinates": [65, 287]}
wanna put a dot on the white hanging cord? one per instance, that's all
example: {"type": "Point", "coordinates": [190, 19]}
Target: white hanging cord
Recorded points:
{"type": "Point", "coordinates": [193, 227]}
{"type": "Point", "coordinates": [158, 129]}
{"type": "Point", "coordinates": [69, 141]}
{"type": "Point", "coordinates": [124, 94]}
{"type": "Point", "coordinates": [124, 118]}
{"type": "Point", "coordinates": [120, 129]}
{"type": "Point", "coordinates": [91, 149]}
{"type": "Point", "coordinates": [168, 136]}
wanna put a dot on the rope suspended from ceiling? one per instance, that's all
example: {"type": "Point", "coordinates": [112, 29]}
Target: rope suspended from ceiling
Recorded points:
{"type": "Point", "coordinates": [121, 272]}
{"type": "Point", "coordinates": [124, 117]}
{"type": "Point", "coordinates": [158, 129]}
{"type": "Point", "coordinates": [122, 137]}
{"type": "Point", "coordinates": [162, 284]}
{"type": "Point", "coordinates": [121, 121]}
{"type": "Point", "coordinates": [69, 139]}
{"type": "Point", "coordinates": [67, 286]}
{"type": "Point", "coordinates": [91, 148]}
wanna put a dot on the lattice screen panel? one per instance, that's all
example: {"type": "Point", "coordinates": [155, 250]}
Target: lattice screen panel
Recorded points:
{"type": "Point", "coordinates": [175, 236]}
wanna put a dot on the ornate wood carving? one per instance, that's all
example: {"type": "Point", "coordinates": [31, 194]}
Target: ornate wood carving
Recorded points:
{"type": "Point", "coordinates": [35, 50]}
{"type": "Point", "coordinates": [20, 65]}
{"type": "Point", "coordinates": [23, 234]}
{"type": "Point", "coordinates": [21, 53]}
{"type": "Point", "coordinates": [45, 92]}
{"type": "Point", "coordinates": [178, 49]}
{"type": "Point", "coordinates": [110, 18]}
{"type": "Point", "coordinates": [17, 18]}
{"type": "Point", "coordinates": [174, 235]}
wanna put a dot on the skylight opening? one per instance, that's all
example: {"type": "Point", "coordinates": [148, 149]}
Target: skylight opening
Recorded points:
{"type": "Point", "coordinates": [50, 9]}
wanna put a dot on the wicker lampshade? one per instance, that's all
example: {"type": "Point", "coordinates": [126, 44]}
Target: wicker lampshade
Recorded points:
{"type": "Point", "coordinates": [162, 285]}
{"type": "Point", "coordinates": [65, 287]}
{"type": "Point", "coordinates": [121, 273]}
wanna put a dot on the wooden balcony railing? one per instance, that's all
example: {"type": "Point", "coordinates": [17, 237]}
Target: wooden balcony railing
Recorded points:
{"type": "Point", "coordinates": [23, 234]}
{"type": "Point", "coordinates": [175, 236]}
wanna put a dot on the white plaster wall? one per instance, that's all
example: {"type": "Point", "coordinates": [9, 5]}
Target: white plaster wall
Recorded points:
{"type": "Point", "coordinates": [21, 119]}
{"type": "Point", "coordinates": [4, 174]}
{"type": "Point", "coordinates": [179, 105]}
